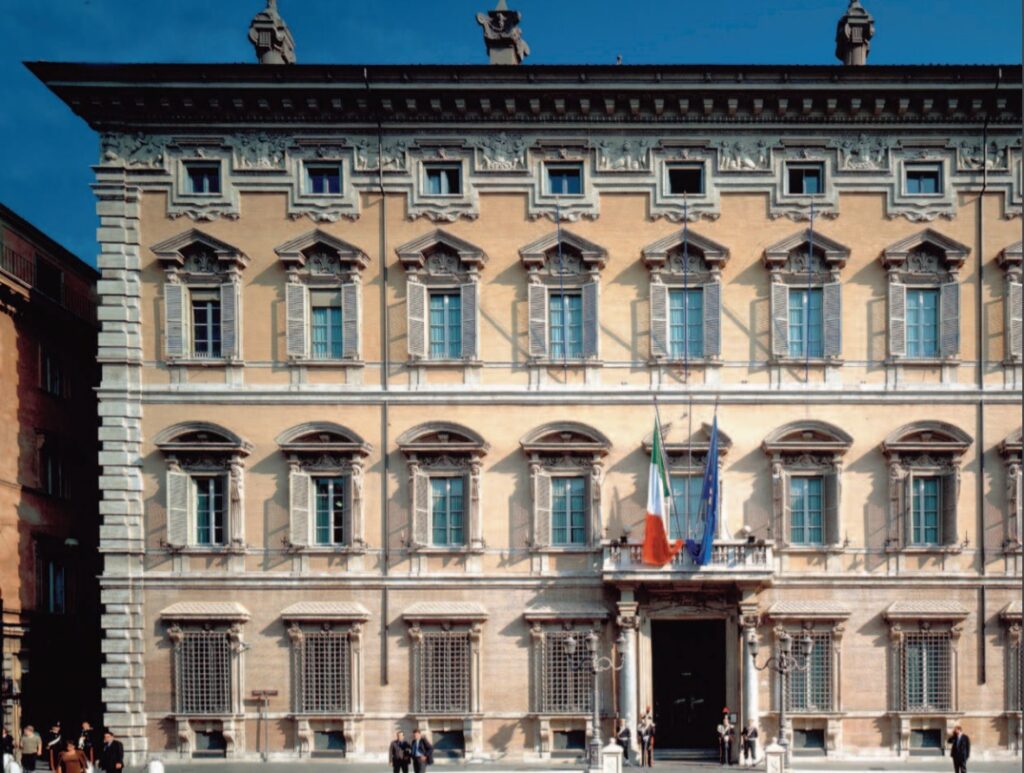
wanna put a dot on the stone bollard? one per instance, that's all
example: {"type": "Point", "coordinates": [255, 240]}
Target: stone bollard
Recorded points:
{"type": "Point", "coordinates": [154, 766]}
{"type": "Point", "coordinates": [774, 758]}
{"type": "Point", "coordinates": [611, 759]}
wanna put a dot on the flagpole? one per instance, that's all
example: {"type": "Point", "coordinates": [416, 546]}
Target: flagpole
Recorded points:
{"type": "Point", "coordinates": [664, 464]}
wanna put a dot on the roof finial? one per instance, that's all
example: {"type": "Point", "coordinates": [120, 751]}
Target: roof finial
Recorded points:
{"type": "Point", "coordinates": [271, 37]}
{"type": "Point", "coordinates": [853, 35]}
{"type": "Point", "coordinates": [502, 36]}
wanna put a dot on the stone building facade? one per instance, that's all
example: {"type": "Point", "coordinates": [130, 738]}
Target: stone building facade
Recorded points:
{"type": "Point", "coordinates": [381, 354]}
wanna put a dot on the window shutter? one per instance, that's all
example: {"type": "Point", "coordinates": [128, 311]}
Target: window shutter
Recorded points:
{"type": "Point", "coordinates": [229, 319]}
{"type": "Point", "coordinates": [713, 319]}
{"type": "Point", "coordinates": [785, 533]}
{"type": "Point", "coordinates": [830, 492]}
{"type": "Point", "coordinates": [906, 513]}
{"type": "Point", "coordinates": [349, 519]}
{"type": "Point", "coordinates": [780, 319]}
{"type": "Point", "coordinates": [591, 331]}
{"type": "Point", "coordinates": [538, 323]}
{"type": "Point", "coordinates": [1014, 331]}
{"type": "Point", "coordinates": [420, 508]}
{"type": "Point", "coordinates": [832, 313]}
{"type": "Point", "coordinates": [179, 489]}
{"type": "Point", "coordinates": [949, 319]}
{"type": "Point", "coordinates": [299, 484]}
{"type": "Point", "coordinates": [175, 298]}
{"type": "Point", "coordinates": [897, 319]}
{"type": "Point", "coordinates": [297, 312]}
{"type": "Point", "coordinates": [470, 320]}
{"type": "Point", "coordinates": [541, 508]}
{"type": "Point", "coordinates": [950, 490]}
{"type": "Point", "coordinates": [351, 323]}
{"type": "Point", "coordinates": [659, 320]}
{"type": "Point", "coordinates": [416, 314]}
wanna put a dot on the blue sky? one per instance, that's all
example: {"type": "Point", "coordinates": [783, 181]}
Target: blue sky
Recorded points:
{"type": "Point", "coordinates": [47, 151]}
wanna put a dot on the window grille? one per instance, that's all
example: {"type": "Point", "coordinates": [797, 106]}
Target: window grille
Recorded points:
{"type": "Point", "coordinates": [811, 690]}
{"type": "Point", "coordinates": [204, 673]}
{"type": "Point", "coordinates": [926, 672]}
{"type": "Point", "coordinates": [444, 672]}
{"type": "Point", "coordinates": [325, 673]}
{"type": "Point", "coordinates": [566, 680]}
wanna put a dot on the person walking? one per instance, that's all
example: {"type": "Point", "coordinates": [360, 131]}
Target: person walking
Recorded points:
{"type": "Point", "coordinates": [422, 752]}
{"type": "Point", "coordinates": [399, 753]}
{"type": "Point", "coordinates": [646, 732]}
{"type": "Point", "coordinates": [748, 736]}
{"type": "Point", "coordinates": [72, 760]}
{"type": "Point", "coordinates": [31, 748]}
{"type": "Point", "coordinates": [54, 744]}
{"type": "Point", "coordinates": [725, 738]}
{"type": "Point", "coordinates": [959, 749]}
{"type": "Point", "coordinates": [86, 741]}
{"type": "Point", "coordinates": [112, 754]}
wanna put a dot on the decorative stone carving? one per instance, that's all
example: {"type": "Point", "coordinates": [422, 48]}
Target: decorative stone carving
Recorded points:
{"type": "Point", "coordinates": [502, 36]}
{"type": "Point", "coordinates": [260, 150]}
{"type": "Point", "coordinates": [391, 150]}
{"type": "Point", "coordinates": [133, 149]}
{"type": "Point", "coordinates": [502, 152]}
{"type": "Point", "coordinates": [853, 35]}
{"type": "Point", "coordinates": [627, 154]}
{"type": "Point", "coordinates": [862, 153]}
{"type": "Point", "coordinates": [743, 155]}
{"type": "Point", "coordinates": [271, 37]}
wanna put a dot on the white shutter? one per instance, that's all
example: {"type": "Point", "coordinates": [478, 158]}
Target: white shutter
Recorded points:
{"type": "Point", "coordinates": [470, 293]}
{"type": "Point", "coordinates": [832, 318]}
{"type": "Point", "coordinates": [297, 312]}
{"type": "Point", "coordinates": [659, 320]}
{"type": "Point", "coordinates": [299, 515]}
{"type": "Point", "coordinates": [897, 319]}
{"type": "Point", "coordinates": [351, 323]}
{"type": "Point", "coordinates": [175, 301]}
{"type": "Point", "coordinates": [713, 319]}
{"type": "Point", "coordinates": [421, 508]}
{"type": "Point", "coordinates": [1014, 331]}
{"type": "Point", "coordinates": [179, 495]}
{"type": "Point", "coordinates": [949, 319]}
{"type": "Point", "coordinates": [230, 317]}
{"type": "Point", "coordinates": [541, 508]}
{"type": "Point", "coordinates": [416, 314]}
{"type": "Point", "coordinates": [591, 319]}
{"type": "Point", "coordinates": [538, 322]}
{"type": "Point", "coordinates": [780, 319]}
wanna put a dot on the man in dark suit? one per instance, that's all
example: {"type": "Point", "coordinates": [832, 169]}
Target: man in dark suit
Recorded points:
{"type": "Point", "coordinates": [399, 753]}
{"type": "Point", "coordinates": [112, 756]}
{"type": "Point", "coordinates": [422, 752]}
{"type": "Point", "coordinates": [959, 749]}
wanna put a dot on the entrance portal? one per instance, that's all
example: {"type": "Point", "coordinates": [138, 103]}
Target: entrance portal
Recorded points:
{"type": "Point", "coordinates": [689, 684]}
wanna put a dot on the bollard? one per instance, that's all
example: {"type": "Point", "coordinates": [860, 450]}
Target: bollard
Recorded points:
{"type": "Point", "coordinates": [154, 766]}
{"type": "Point", "coordinates": [774, 758]}
{"type": "Point", "coordinates": [611, 759]}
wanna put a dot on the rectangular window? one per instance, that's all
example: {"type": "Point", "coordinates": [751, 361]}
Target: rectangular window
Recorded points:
{"type": "Point", "coordinates": [326, 673]}
{"type": "Point", "coordinates": [206, 325]}
{"type": "Point", "coordinates": [210, 510]}
{"type": "Point", "coordinates": [51, 373]}
{"type": "Point", "coordinates": [443, 179]}
{"type": "Point", "coordinates": [53, 478]}
{"type": "Point", "coordinates": [444, 672]}
{"type": "Point", "coordinates": [564, 179]}
{"type": "Point", "coordinates": [202, 178]}
{"type": "Point", "coordinates": [49, 279]}
{"type": "Point", "coordinates": [811, 690]}
{"type": "Point", "coordinates": [565, 322]}
{"type": "Point", "coordinates": [686, 323]}
{"type": "Point", "coordinates": [805, 322]}
{"type": "Point", "coordinates": [445, 325]}
{"type": "Point", "coordinates": [806, 179]}
{"type": "Point", "coordinates": [806, 525]}
{"type": "Point", "coordinates": [568, 511]}
{"type": "Point", "coordinates": [566, 678]}
{"type": "Point", "coordinates": [325, 325]}
{"type": "Point", "coordinates": [924, 180]}
{"type": "Point", "coordinates": [926, 673]}
{"type": "Point", "coordinates": [686, 180]}
{"type": "Point", "coordinates": [330, 510]}
{"type": "Point", "coordinates": [52, 587]}
{"type": "Point", "coordinates": [203, 673]}
{"type": "Point", "coordinates": [685, 519]}
{"type": "Point", "coordinates": [925, 509]}
{"type": "Point", "coordinates": [447, 511]}
{"type": "Point", "coordinates": [324, 179]}
{"type": "Point", "coordinates": [922, 323]}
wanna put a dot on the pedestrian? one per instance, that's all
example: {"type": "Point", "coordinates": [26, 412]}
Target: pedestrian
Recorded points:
{"type": "Point", "coordinates": [622, 738]}
{"type": "Point", "coordinates": [422, 752]}
{"type": "Point", "coordinates": [7, 743]}
{"type": "Point", "coordinates": [31, 748]}
{"type": "Point", "coordinates": [959, 749]}
{"type": "Point", "coordinates": [112, 755]}
{"type": "Point", "coordinates": [72, 760]}
{"type": "Point", "coordinates": [86, 741]}
{"type": "Point", "coordinates": [646, 732]}
{"type": "Point", "coordinates": [54, 744]}
{"type": "Point", "coordinates": [399, 753]}
{"type": "Point", "coordinates": [749, 737]}
{"type": "Point", "coordinates": [725, 738]}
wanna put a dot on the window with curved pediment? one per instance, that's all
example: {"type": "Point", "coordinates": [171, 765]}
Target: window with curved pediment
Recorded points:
{"type": "Point", "coordinates": [204, 486]}
{"type": "Point", "coordinates": [806, 459]}
{"type": "Point", "coordinates": [325, 486]}
{"type": "Point", "coordinates": [566, 472]}
{"type": "Point", "coordinates": [924, 484]}
{"type": "Point", "coordinates": [445, 468]}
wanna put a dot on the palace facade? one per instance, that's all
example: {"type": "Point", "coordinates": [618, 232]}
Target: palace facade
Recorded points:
{"type": "Point", "coordinates": [381, 350]}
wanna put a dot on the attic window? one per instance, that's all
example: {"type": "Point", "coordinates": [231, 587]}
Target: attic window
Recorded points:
{"type": "Point", "coordinates": [324, 179]}
{"type": "Point", "coordinates": [806, 179]}
{"type": "Point", "coordinates": [443, 179]}
{"type": "Point", "coordinates": [924, 180]}
{"type": "Point", "coordinates": [565, 179]}
{"type": "Point", "coordinates": [203, 177]}
{"type": "Point", "coordinates": [688, 179]}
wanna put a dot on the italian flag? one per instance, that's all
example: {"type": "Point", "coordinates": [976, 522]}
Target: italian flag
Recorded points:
{"type": "Point", "coordinates": [657, 549]}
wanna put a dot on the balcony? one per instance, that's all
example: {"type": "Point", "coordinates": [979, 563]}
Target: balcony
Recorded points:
{"type": "Point", "coordinates": [47, 278]}
{"type": "Point", "coordinates": [732, 561]}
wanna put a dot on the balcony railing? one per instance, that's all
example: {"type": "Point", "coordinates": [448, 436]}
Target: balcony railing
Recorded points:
{"type": "Point", "coordinates": [64, 289]}
{"type": "Point", "coordinates": [728, 558]}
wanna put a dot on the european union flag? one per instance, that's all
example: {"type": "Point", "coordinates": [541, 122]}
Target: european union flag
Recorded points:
{"type": "Point", "coordinates": [701, 551]}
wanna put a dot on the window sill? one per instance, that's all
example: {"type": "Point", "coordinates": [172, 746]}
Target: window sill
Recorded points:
{"type": "Point", "coordinates": [814, 714]}
{"type": "Point", "coordinates": [816, 361]}
{"type": "Point", "coordinates": [924, 361]}
{"type": "Point", "coordinates": [547, 362]}
{"type": "Point", "coordinates": [329, 550]}
{"type": "Point", "coordinates": [209, 550]}
{"type": "Point", "coordinates": [925, 549]}
{"type": "Point", "coordinates": [323, 715]}
{"type": "Point", "coordinates": [309, 362]}
{"type": "Point", "coordinates": [701, 361]}
{"type": "Point", "coordinates": [205, 362]}
{"type": "Point", "coordinates": [942, 714]}
{"type": "Point", "coordinates": [810, 549]}
{"type": "Point", "coordinates": [565, 549]}
{"type": "Point", "coordinates": [436, 550]}
{"type": "Point", "coordinates": [1012, 548]}
{"type": "Point", "coordinates": [447, 363]}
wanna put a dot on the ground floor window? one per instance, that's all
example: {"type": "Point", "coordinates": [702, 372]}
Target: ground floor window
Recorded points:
{"type": "Point", "coordinates": [565, 678]}
{"type": "Point", "coordinates": [811, 690]}
{"type": "Point", "coordinates": [325, 673]}
{"type": "Point", "coordinates": [203, 666]}
{"type": "Point", "coordinates": [926, 671]}
{"type": "Point", "coordinates": [444, 673]}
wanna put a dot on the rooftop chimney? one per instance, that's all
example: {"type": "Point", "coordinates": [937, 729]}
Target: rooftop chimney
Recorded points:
{"type": "Point", "coordinates": [853, 35]}
{"type": "Point", "coordinates": [502, 36]}
{"type": "Point", "coordinates": [271, 37]}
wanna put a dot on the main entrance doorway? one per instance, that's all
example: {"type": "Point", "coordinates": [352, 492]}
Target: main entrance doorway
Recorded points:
{"type": "Point", "coordinates": [689, 685]}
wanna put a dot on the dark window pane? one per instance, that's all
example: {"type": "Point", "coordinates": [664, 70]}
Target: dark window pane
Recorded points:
{"type": "Point", "coordinates": [686, 179]}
